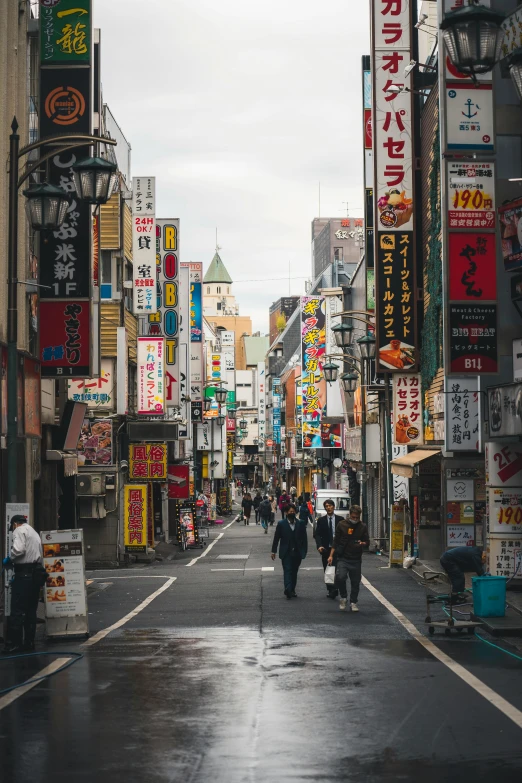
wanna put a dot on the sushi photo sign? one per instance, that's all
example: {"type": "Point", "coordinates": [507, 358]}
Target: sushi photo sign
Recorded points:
{"type": "Point", "coordinates": [395, 278]}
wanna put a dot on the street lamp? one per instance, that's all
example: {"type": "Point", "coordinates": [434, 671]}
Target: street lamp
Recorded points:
{"type": "Point", "coordinates": [221, 395]}
{"type": "Point", "coordinates": [46, 210]}
{"type": "Point", "coordinates": [46, 206]}
{"type": "Point", "coordinates": [94, 179]}
{"type": "Point", "coordinates": [243, 424]}
{"type": "Point", "coordinates": [231, 413]}
{"type": "Point", "coordinates": [367, 346]}
{"type": "Point", "coordinates": [343, 335]}
{"type": "Point", "coordinates": [330, 371]}
{"type": "Point", "coordinates": [349, 381]}
{"type": "Point", "coordinates": [473, 36]}
{"type": "Point", "coordinates": [207, 402]}
{"type": "Point", "coordinates": [220, 419]}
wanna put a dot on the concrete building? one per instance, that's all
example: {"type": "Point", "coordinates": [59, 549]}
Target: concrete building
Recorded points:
{"type": "Point", "coordinates": [279, 311]}
{"type": "Point", "coordinates": [336, 243]}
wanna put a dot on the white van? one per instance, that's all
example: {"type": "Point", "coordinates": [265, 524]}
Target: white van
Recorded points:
{"type": "Point", "coordinates": [340, 497]}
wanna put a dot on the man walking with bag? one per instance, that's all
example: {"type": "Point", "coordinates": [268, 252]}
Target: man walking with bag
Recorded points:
{"type": "Point", "coordinates": [324, 536]}
{"type": "Point", "coordinates": [351, 537]}
{"type": "Point", "coordinates": [292, 539]}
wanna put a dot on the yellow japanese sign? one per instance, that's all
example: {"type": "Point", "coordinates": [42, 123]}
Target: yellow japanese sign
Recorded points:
{"type": "Point", "coordinates": [148, 461]}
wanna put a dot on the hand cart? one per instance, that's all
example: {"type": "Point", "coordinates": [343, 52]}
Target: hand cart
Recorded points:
{"type": "Point", "coordinates": [449, 623]}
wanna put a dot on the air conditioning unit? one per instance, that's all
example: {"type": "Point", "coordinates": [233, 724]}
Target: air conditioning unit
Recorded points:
{"type": "Point", "coordinates": [90, 484]}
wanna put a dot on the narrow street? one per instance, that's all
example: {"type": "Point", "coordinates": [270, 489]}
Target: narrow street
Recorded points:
{"type": "Point", "coordinates": [220, 678]}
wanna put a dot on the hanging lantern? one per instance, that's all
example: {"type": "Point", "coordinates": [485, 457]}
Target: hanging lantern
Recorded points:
{"type": "Point", "coordinates": [473, 36]}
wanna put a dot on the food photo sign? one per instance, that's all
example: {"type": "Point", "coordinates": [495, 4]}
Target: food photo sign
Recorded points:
{"type": "Point", "coordinates": [95, 443]}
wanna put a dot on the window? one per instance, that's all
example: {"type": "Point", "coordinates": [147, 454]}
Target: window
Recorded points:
{"type": "Point", "coordinates": [218, 289]}
{"type": "Point", "coordinates": [106, 274]}
{"type": "Point", "coordinates": [338, 254]}
{"type": "Point", "coordinates": [208, 289]}
{"type": "Point", "coordinates": [228, 289]}
{"type": "Point", "coordinates": [219, 305]}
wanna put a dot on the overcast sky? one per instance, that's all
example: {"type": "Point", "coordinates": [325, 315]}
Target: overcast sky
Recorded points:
{"type": "Point", "coordinates": [239, 110]}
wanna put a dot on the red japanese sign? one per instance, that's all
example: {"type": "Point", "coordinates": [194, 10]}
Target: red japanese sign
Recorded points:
{"type": "Point", "coordinates": [65, 339]}
{"type": "Point", "coordinates": [407, 410]}
{"type": "Point", "coordinates": [367, 129]}
{"type": "Point", "coordinates": [148, 461]}
{"type": "Point", "coordinates": [179, 485]}
{"type": "Point", "coordinates": [472, 267]}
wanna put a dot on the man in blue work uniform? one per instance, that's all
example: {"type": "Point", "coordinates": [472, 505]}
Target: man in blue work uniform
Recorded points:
{"type": "Point", "coordinates": [459, 560]}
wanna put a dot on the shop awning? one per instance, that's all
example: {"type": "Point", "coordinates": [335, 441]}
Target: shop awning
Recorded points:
{"type": "Point", "coordinates": [405, 466]}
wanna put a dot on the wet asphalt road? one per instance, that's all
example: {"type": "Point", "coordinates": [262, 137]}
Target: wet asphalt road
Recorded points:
{"type": "Point", "coordinates": [220, 678]}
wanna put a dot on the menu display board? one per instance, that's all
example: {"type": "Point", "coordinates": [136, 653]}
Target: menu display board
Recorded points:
{"type": "Point", "coordinates": [505, 510]}
{"type": "Point", "coordinates": [63, 558]}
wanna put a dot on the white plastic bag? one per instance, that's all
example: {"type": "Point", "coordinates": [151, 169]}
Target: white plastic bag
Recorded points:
{"type": "Point", "coordinates": [329, 575]}
{"type": "Point", "coordinates": [408, 562]}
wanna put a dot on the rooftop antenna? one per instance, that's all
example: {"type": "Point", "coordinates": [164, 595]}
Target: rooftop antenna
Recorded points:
{"type": "Point", "coordinates": [347, 208]}
{"type": "Point", "coordinates": [217, 246]}
{"type": "Point", "coordinates": [319, 199]}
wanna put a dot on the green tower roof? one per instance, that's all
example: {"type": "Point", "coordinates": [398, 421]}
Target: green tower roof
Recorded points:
{"type": "Point", "coordinates": [217, 273]}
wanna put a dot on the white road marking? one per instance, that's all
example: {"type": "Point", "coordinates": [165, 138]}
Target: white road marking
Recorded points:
{"type": "Point", "coordinates": [207, 550]}
{"type": "Point", "coordinates": [9, 698]}
{"type": "Point", "coordinates": [137, 576]}
{"type": "Point", "coordinates": [265, 568]}
{"type": "Point", "coordinates": [481, 688]}
{"type": "Point", "coordinates": [102, 634]}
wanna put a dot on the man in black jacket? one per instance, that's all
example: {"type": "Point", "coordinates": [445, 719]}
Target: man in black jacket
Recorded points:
{"type": "Point", "coordinates": [257, 502]}
{"type": "Point", "coordinates": [265, 512]}
{"type": "Point", "coordinates": [292, 539]}
{"type": "Point", "coordinates": [324, 536]}
{"type": "Point", "coordinates": [351, 537]}
{"type": "Point", "coordinates": [456, 562]}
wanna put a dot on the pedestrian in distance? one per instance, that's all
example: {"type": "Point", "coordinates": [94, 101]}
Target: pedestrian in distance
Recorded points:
{"type": "Point", "coordinates": [273, 503]}
{"type": "Point", "coordinates": [292, 539]}
{"type": "Point", "coordinates": [278, 492]}
{"type": "Point", "coordinates": [246, 505]}
{"type": "Point", "coordinates": [351, 537]}
{"type": "Point", "coordinates": [456, 562]}
{"type": "Point", "coordinates": [265, 513]}
{"type": "Point", "coordinates": [304, 512]}
{"type": "Point", "coordinates": [257, 502]}
{"type": "Point", "coordinates": [324, 538]}
{"type": "Point", "coordinates": [25, 558]}
{"type": "Point", "coordinates": [283, 502]}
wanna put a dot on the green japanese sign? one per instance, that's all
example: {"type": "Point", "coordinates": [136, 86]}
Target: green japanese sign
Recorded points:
{"type": "Point", "coordinates": [370, 289]}
{"type": "Point", "coordinates": [65, 31]}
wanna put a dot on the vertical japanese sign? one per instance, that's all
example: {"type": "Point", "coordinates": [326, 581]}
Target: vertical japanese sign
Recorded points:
{"type": "Point", "coordinates": [316, 433]}
{"type": "Point", "coordinates": [407, 410]}
{"type": "Point", "coordinates": [144, 245]}
{"type": "Point", "coordinates": [261, 406]}
{"type": "Point", "coordinates": [471, 189]}
{"type": "Point", "coordinates": [65, 32]}
{"type": "Point", "coordinates": [148, 461]}
{"type": "Point", "coordinates": [196, 329]}
{"type": "Point", "coordinates": [151, 376]}
{"type": "Point", "coordinates": [165, 319]}
{"type": "Point", "coordinates": [392, 130]}
{"type": "Point", "coordinates": [462, 414]}
{"type": "Point", "coordinates": [276, 409]}
{"type": "Point", "coordinates": [135, 518]}
{"type": "Point", "coordinates": [368, 161]}
{"type": "Point", "coordinates": [65, 331]}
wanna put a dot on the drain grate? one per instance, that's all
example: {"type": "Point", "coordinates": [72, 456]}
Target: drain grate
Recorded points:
{"type": "Point", "coordinates": [232, 557]}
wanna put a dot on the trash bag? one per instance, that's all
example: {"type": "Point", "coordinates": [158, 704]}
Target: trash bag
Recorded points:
{"type": "Point", "coordinates": [408, 562]}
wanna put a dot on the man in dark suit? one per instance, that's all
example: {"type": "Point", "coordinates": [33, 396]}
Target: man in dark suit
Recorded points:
{"type": "Point", "coordinates": [290, 535]}
{"type": "Point", "coordinates": [324, 536]}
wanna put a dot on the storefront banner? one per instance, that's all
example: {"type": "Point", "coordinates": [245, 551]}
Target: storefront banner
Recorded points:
{"type": "Point", "coordinates": [370, 289]}
{"type": "Point", "coordinates": [460, 513]}
{"type": "Point", "coordinates": [460, 535]}
{"type": "Point", "coordinates": [505, 511]}
{"type": "Point", "coordinates": [471, 198]}
{"type": "Point", "coordinates": [144, 245]}
{"type": "Point", "coordinates": [469, 117]}
{"type": "Point", "coordinates": [65, 101]}
{"type": "Point", "coordinates": [472, 267]}
{"type": "Point", "coordinates": [186, 518]}
{"type": "Point", "coordinates": [334, 403]}
{"type": "Point", "coordinates": [505, 410]}
{"type": "Point", "coordinates": [276, 409]}
{"type": "Point", "coordinates": [148, 461]}
{"type": "Point", "coordinates": [395, 302]}
{"type": "Point", "coordinates": [65, 339]}
{"type": "Point", "coordinates": [401, 484]}
{"type": "Point", "coordinates": [179, 482]}
{"type": "Point", "coordinates": [473, 338]}
{"type": "Point", "coordinates": [407, 410]}
{"type": "Point", "coordinates": [511, 234]}
{"type": "Point", "coordinates": [316, 433]}
{"type": "Point", "coordinates": [512, 27]}
{"type": "Point", "coordinates": [216, 368]}
{"type": "Point", "coordinates": [95, 443]}
{"type": "Point", "coordinates": [462, 414]}
{"type": "Point", "coordinates": [204, 436]}
{"type": "Point", "coordinates": [505, 555]}
{"type": "Point", "coordinates": [151, 376]}
{"type": "Point", "coordinates": [63, 559]}
{"type": "Point", "coordinates": [261, 406]}
{"type": "Point", "coordinates": [196, 302]}
{"type": "Point", "coordinates": [98, 393]}
{"type": "Point", "coordinates": [503, 464]}
{"type": "Point", "coordinates": [135, 518]}
{"type": "Point", "coordinates": [65, 32]}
